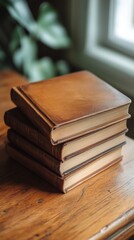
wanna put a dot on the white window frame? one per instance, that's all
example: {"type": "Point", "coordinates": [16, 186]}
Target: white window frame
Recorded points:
{"type": "Point", "coordinates": [95, 54]}
{"type": "Point", "coordinates": [122, 42]}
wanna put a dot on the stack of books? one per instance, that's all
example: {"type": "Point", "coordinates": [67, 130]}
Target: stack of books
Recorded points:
{"type": "Point", "coordinates": [67, 129]}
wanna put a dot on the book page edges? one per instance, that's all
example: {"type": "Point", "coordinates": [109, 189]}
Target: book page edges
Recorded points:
{"type": "Point", "coordinates": [125, 117]}
{"type": "Point", "coordinates": [91, 175]}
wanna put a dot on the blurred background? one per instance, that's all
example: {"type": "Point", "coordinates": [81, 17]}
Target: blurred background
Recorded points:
{"type": "Point", "coordinates": [43, 39]}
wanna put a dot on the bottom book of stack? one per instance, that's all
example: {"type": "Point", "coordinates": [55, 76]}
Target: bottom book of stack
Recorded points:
{"type": "Point", "coordinates": [70, 179]}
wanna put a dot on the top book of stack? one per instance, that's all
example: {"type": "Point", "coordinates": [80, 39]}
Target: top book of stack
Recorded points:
{"type": "Point", "coordinates": [70, 106]}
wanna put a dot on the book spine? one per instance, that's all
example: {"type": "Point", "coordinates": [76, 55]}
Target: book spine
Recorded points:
{"type": "Point", "coordinates": [33, 135]}
{"type": "Point", "coordinates": [40, 170]}
{"type": "Point", "coordinates": [34, 152]}
{"type": "Point", "coordinates": [44, 128]}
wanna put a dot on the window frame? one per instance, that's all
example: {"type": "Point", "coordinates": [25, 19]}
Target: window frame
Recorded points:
{"type": "Point", "coordinates": [96, 54]}
{"type": "Point", "coordinates": [122, 45]}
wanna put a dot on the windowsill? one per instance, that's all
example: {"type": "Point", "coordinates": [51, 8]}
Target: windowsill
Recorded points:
{"type": "Point", "coordinates": [89, 51]}
{"type": "Point", "coordinates": [107, 64]}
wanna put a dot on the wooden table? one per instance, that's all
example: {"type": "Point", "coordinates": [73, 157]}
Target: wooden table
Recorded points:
{"type": "Point", "coordinates": [32, 209]}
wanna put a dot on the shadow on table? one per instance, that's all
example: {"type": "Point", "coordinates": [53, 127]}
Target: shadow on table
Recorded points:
{"type": "Point", "coordinates": [13, 173]}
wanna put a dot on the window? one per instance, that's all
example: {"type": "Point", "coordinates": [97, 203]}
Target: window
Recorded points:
{"type": "Point", "coordinates": [121, 25]}
{"type": "Point", "coordinates": [103, 35]}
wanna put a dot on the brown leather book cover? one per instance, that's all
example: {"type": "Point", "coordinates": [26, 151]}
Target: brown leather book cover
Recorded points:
{"type": "Point", "coordinates": [54, 179]}
{"type": "Point", "coordinates": [54, 103]}
{"type": "Point", "coordinates": [34, 166]}
{"type": "Point", "coordinates": [16, 120]}
{"type": "Point", "coordinates": [39, 155]}
{"type": "Point", "coordinates": [46, 159]}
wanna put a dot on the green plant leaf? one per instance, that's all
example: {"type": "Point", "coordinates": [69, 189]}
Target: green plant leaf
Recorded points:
{"type": "Point", "coordinates": [16, 37]}
{"type": "Point", "coordinates": [26, 55]}
{"type": "Point", "coordinates": [49, 29]}
{"type": "Point", "coordinates": [29, 49]}
{"type": "Point", "coordinates": [18, 58]}
{"type": "Point", "coordinates": [20, 11]}
{"type": "Point", "coordinates": [62, 67]}
{"type": "Point", "coordinates": [47, 14]}
{"type": "Point", "coordinates": [42, 69]}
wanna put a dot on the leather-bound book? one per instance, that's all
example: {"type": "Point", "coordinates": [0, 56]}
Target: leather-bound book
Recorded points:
{"type": "Point", "coordinates": [65, 184]}
{"type": "Point", "coordinates": [69, 165]}
{"type": "Point", "coordinates": [15, 119]}
{"type": "Point", "coordinates": [72, 105]}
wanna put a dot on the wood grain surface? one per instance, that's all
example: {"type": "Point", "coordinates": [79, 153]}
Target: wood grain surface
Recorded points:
{"type": "Point", "coordinates": [31, 209]}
